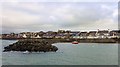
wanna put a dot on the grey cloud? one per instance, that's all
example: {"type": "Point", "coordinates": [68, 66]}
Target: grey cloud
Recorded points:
{"type": "Point", "coordinates": [54, 16]}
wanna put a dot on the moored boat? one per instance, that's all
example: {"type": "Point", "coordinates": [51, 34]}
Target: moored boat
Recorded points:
{"type": "Point", "coordinates": [26, 52]}
{"type": "Point", "coordinates": [74, 42]}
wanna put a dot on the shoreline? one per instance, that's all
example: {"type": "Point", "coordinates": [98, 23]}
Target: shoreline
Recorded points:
{"type": "Point", "coordinates": [100, 40]}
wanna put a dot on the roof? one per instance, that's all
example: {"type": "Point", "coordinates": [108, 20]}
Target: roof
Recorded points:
{"type": "Point", "coordinates": [104, 31]}
{"type": "Point", "coordinates": [92, 31]}
{"type": "Point", "coordinates": [115, 31]}
{"type": "Point", "coordinates": [83, 32]}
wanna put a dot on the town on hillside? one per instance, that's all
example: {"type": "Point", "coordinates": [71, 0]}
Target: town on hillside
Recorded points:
{"type": "Point", "coordinates": [64, 34]}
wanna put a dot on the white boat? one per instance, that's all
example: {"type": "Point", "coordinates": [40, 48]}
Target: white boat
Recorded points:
{"type": "Point", "coordinates": [26, 52]}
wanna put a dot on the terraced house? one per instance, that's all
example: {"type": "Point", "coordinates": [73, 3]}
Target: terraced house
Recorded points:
{"type": "Point", "coordinates": [66, 34]}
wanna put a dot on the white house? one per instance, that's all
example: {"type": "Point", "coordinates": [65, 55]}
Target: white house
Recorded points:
{"type": "Point", "coordinates": [91, 35]}
{"type": "Point", "coordinates": [0, 36]}
{"type": "Point", "coordinates": [76, 37]}
{"type": "Point", "coordinates": [24, 36]}
{"type": "Point", "coordinates": [38, 36]}
{"type": "Point", "coordinates": [102, 34]}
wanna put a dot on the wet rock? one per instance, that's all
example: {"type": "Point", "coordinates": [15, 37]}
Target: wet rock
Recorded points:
{"type": "Point", "coordinates": [31, 46]}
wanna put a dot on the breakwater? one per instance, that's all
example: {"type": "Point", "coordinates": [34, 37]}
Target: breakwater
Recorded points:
{"type": "Point", "coordinates": [99, 40]}
{"type": "Point", "coordinates": [31, 46]}
{"type": "Point", "coordinates": [84, 40]}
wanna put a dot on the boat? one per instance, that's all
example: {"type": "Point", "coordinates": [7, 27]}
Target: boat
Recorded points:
{"type": "Point", "coordinates": [26, 52]}
{"type": "Point", "coordinates": [75, 42]}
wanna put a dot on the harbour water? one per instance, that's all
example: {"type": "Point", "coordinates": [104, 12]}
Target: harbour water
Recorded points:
{"type": "Point", "coordinates": [67, 54]}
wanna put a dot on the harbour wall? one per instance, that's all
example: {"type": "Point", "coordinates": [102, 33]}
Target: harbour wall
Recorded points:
{"type": "Point", "coordinates": [100, 40]}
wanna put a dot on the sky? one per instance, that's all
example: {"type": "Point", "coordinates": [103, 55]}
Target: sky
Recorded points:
{"type": "Point", "coordinates": [20, 16]}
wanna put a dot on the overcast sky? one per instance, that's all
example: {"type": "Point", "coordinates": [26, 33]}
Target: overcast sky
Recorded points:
{"type": "Point", "coordinates": [45, 16]}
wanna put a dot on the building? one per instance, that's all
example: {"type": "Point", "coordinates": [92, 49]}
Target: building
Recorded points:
{"type": "Point", "coordinates": [62, 35]}
{"type": "Point", "coordinates": [92, 35]}
{"type": "Point", "coordinates": [83, 35]}
{"type": "Point", "coordinates": [102, 34]}
{"type": "Point", "coordinates": [66, 34]}
{"type": "Point", "coordinates": [24, 36]}
{"type": "Point", "coordinates": [0, 36]}
{"type": "Point", "coordinates": [114, 34]}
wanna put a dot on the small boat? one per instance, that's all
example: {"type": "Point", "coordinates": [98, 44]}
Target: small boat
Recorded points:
{"type": "Point", "coordinates": [74, 42]}
{"type": "Point", "coordinates": [26, 52]}
{"type": "Point", "coordinates": [11, 51]}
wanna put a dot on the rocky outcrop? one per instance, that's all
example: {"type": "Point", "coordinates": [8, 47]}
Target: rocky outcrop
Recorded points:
{"type": "Point", "coordinates": [31, 45]}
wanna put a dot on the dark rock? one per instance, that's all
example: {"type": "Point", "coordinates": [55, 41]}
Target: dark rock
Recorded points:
{"type": "Point", "coordinates": [31, 46]}
{"type": "Point", "coordinates": [54, 48]}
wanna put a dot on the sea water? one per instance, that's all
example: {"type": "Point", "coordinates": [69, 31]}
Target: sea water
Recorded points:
{"type": "Point", "coordinates": [67, 54]}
